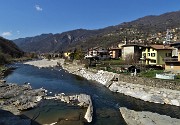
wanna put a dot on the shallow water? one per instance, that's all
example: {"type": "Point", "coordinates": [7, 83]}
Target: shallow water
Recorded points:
{"type": "Point", "coordinates": [106, 103]}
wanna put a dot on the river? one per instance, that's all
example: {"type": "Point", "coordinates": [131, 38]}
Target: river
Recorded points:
{"type": "Point", "coordinates": [106, 103]}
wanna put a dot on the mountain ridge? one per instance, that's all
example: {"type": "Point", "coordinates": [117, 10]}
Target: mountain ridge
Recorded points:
{"type": "Point", "coordinates": [141, 28]}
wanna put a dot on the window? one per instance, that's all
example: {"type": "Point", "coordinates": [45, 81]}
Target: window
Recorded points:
{"type": "Point", "coordinates": [144, 54]}
{"type": "Point", "coordinates": [153, 54]}
{"type": "Point", "coordinates": [148, 49]}
{"type": "Point", "coordinates": [168, 54]}
{"type": "Point", "coordinates": [149, 54]}
{"type": "Point", "coordinates": [94, 52]}
{"type": "Point", "coordinates": [152, 49]}
{"type": "Point", "coordinates": [153, 61]}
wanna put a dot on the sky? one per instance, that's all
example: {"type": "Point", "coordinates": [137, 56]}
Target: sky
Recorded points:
{"type": "Point", "coordinates": [25, 18]}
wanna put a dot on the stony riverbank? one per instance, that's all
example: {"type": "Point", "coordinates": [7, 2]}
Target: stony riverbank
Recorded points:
{"type": "Point", "coordinates": [143, 92]}
{"type": "Point", "coordinates": [16, 98]}
{"type": "Point", "coordinates": [45, 63]}
{"type": "Point", "coordinates": [146, 118]}
{"type": "Point", "coordinates": [115, 82]}
{"type": "Point", "coordinates": [2, 71]}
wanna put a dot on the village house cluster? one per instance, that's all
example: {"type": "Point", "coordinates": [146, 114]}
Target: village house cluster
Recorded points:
{"type": "Point", "coordinates": [166, 56]}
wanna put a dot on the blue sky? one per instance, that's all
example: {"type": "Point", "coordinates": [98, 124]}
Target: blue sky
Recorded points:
{"type": "Point", "coordinates": [23, 18]}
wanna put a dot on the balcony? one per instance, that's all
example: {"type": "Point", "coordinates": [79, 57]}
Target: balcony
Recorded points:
{"type": "Point", "coordinates": [170, 60]}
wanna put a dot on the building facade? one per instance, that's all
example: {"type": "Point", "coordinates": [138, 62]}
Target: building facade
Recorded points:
{"type": "Point", "coordinates": [132, 49]}
{"type": "Point", "coordinates": [173, 64]}
{"type": "Point", "coordinates": [155, 54]}
{"type": "Point", "coordinates": [99, 52]}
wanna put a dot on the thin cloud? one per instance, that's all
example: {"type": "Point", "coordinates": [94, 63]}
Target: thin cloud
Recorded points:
{"type": "Point", "coordinates": [38, 8]}
{"type": "Point", "coordinates": [18, 32]}
{"type": "Point", "coordinates": [6, 34]}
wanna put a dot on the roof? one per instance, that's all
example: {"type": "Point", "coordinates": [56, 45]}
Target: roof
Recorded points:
{"type": "Point", "coordinates": [175, 44]}
{"type": "Point", "coordinates": [161, 47]}
{"type": "Point", "coordinates": [115, 48]}
{"type": "Point", "coordinates": [126, 45]}
{"type": "Point", "coordinates": [95, 48]}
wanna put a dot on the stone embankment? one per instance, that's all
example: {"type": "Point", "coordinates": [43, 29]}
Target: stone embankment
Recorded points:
{"type": "Point", "coordinates": [115, 83]}
{"type": "Point", "coordinates": [147, 93]}
{"type": "Point", "coordinates": [146, 118]}
{"type": "Point", "coordinates": [82, 100]}
{"type": "Point", "coordinates": [102, 77]}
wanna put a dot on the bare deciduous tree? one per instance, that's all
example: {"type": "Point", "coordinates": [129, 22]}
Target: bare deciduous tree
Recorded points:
{"type": "Point", "coordinates": [132, 58]}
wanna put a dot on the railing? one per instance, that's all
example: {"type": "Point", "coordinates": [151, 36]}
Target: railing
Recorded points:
{"type": "Point", "coordinates": [170, 59]}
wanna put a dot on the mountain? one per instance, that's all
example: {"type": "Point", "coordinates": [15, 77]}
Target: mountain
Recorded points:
{"type": "Point", "coordinates": [8, 48]}
{"type": "Point", "coordinates": [54, 42]}
{"type": "Point", "coordinates": [146, 29]}
{"type": "Point", "coordinates": [156, 23]}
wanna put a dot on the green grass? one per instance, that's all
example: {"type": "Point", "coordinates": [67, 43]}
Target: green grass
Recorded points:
{"type": "Point", "coordinates": [113, 62]}
{"type": "Point", "coordinates": [150, 73]}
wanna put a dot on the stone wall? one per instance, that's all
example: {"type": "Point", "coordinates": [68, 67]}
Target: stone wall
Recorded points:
{"type": "Point", "coordinates": [147, 93]}
{"type": "Point", "coordinates": [159, 83]}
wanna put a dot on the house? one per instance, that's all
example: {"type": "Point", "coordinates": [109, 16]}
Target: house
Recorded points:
{"type": "Point", "coordinates": [155, 54]}
{"type": "Point", "coordinates": [116, 51]}
{"type": "Point", "coordinates": [175, 46]}
{"type": "Point", "coordinates": [98, 52]}
{"type": "Point", "coordinates": [173, 63]}
{"type": "Point", "coordinates": [132, 49]}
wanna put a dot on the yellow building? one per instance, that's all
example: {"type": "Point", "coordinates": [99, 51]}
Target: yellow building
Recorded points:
{"type": "Point", "coordinates": [155, 54]}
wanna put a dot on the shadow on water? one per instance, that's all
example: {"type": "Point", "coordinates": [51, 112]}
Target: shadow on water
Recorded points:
{"type": "Point", "coordinates": [9, 71]}
{"type": "Point", "coordinates": [79, 78]}
{"type": "Point", "coordinates": [51, 111]}
{"type": "Point", "coordinates": [8, 118]}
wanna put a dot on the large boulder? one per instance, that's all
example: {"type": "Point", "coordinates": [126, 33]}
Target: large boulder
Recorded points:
{"type": "Point", "coordinates": [146, 118]}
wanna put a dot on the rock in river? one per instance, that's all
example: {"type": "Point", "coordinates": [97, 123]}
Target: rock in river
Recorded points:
{"type": "Point", "coordinates": [146, 118]}
{"type": "Point", "coordinates": [19, 97]}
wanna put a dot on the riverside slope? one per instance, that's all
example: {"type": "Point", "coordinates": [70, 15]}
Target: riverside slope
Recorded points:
{"type": "Point", "coordinates": [108, 79]}
{"type": "Point", "coordinates": [145, 93]}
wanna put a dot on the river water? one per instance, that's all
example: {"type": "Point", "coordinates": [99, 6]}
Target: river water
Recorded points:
{"type": "Point", "coordinates": [106, 103]}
